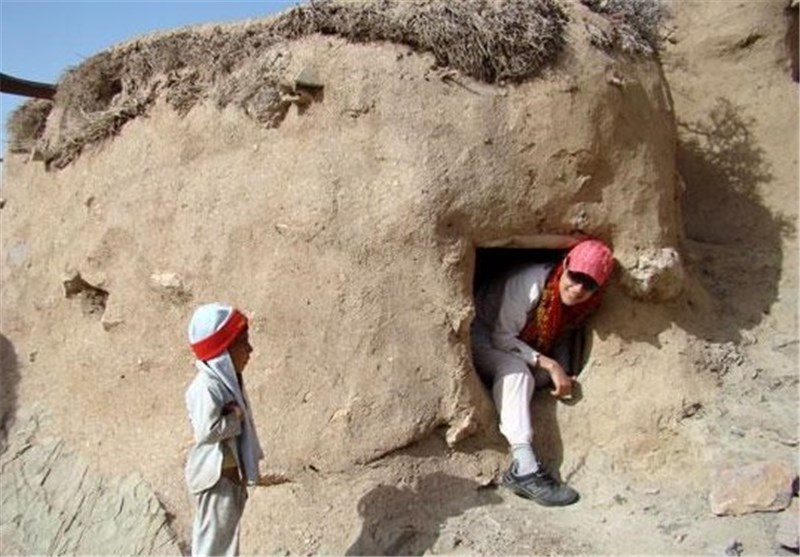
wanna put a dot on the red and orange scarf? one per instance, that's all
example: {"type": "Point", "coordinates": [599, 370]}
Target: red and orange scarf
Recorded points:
{"type": "Point", "coordinates": [549, 318]}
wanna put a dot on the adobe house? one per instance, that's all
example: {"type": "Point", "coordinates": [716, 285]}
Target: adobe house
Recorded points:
{"type": "Point", "coordinates": [334, 172]}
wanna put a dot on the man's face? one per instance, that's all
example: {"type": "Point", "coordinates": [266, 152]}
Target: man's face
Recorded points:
{"type": "Point", "coordinates": [240, 351]}
{"type": "Point", "coordinates": [575, 288]}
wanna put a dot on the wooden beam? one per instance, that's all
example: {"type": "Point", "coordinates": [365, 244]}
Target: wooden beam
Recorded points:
{"type": "Point", "coordinates": [15, 86]}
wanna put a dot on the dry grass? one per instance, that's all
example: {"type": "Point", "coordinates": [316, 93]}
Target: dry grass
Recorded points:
{"type": "Point", "coordinates": [27, 123]}
{"type": "Point", "coordinates": [638, 27]}
{"type": "Point", "coordinates": [490, 40]}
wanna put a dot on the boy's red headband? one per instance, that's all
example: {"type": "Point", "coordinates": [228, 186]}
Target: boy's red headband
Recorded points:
{"type": "Point", "coordinates": [219, 341]}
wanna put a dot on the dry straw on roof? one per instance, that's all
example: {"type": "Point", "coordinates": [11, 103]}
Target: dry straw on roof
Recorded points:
{"type": "Point", "coordinates": [638, 28]}
{"type": "Point", "coordinates": [490, 40]}
{"type": "Point", "coordinates": [26, 124]}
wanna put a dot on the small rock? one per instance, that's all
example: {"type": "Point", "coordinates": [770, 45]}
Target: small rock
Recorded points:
{"type": "Point", "coordinates": [309, 79]}
{"type": "Point", "coordinates": [788, 441]}
{"type": "Point", "coordinates": [166, 280]}
{"type": "Point", "coordinates": [113, 317]}
{"type": "Point", "coordinates": [615, 79]}
{"type": "Point", "coordinates": [2, 202]}
{"type": "Point", "coordinates": [656, 275]}
{"type": "Point", "coordinates": [579, 220]}
{"type": "Point", "coordinates": [763, 486]}
{"type": "Point", "coordinates": [689, 410]}
{"type": "Point", "coordinates": [109, 321]}
{"type": "Point", "coordinates": [734, 548]}
{"type": "Point", "coordinates": [788, 535]}
{"type": "Point", "coordinates": [171, 286]}
{"type": "Point", "coordinates": [748, 338]}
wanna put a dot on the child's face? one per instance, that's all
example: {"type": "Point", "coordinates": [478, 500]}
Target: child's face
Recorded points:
{"type": "Point", "coordinates": [240, 351]}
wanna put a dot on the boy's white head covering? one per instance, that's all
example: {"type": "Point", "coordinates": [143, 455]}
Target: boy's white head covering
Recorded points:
{"type": "Point", "coordinates": [212, 330]}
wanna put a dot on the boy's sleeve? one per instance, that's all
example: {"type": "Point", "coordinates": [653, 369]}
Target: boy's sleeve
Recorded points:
{"type": "Point", "coordinates": [208, 422]}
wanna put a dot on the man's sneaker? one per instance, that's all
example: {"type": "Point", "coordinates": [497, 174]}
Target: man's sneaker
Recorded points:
{"type": "Point", "coordinates": [540, 487]}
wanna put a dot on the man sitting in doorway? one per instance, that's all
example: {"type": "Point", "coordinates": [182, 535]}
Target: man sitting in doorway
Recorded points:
{"type": "Point", "coordinates": [518, 319]}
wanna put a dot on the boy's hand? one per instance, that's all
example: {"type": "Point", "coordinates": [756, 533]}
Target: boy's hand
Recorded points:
{"type": "Point", "coordinates": [273, 478]}
{"type": "Point", "coordinates": [233, 407]}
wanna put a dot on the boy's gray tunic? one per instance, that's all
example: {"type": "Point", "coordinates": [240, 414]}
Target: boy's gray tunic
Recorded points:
{"type": "Point", "coordinates": [220, 501]}
{"type": "Point", "coordinates": [205, 398]}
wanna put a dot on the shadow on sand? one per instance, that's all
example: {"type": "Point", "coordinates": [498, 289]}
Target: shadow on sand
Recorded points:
{"type": "Point", "coordinates": [407, 520]}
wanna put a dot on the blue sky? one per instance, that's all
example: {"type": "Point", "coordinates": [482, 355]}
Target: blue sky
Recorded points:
{"type": "Point", "coordinates": [39, 40]}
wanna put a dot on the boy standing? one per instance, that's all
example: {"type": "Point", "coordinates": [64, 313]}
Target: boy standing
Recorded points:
{"type": "Point", "coordinates": [224, 459]}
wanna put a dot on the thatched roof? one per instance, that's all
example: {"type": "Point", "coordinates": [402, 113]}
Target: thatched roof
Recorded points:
{"type": "Point", "coordinates": [489, 40]}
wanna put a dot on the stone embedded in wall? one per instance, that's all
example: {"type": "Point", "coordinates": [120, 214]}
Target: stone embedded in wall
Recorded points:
{"type": "Point", "coordinates": [309, 79]}
{"type": "Point", "coordinates": [657, 275]}
{"type": "Point", "coordinates": [112, 318]}
{"type": "Point", "coordinates": [171, 287]}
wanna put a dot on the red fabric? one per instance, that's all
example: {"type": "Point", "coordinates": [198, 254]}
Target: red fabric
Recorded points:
{"type": "Point", "coordinates": [593, 258]}
{"type": "Point", "coordinates": [549, 318]}
{"type": "Point", "coordinates": [216, 343]}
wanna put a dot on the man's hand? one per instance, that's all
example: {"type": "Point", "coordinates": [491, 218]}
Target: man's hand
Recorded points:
{"type": "Point", "coordinates": [562, 382]}
{"type": "Point", "coordinates": [233, 407]}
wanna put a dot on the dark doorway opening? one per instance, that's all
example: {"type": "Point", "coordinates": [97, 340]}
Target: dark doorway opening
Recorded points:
{"type": "Point", "coordinates": [495, 262]}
